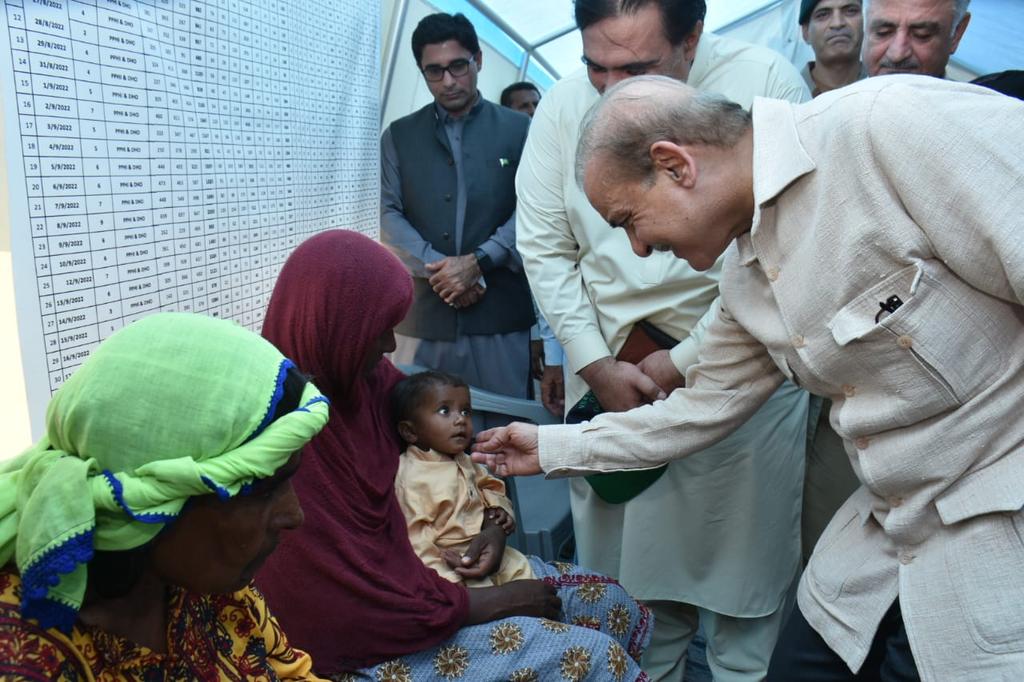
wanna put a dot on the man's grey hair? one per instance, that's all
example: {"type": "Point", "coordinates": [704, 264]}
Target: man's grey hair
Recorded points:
{"type": "Point", "coordinates": [959, 11]}
{"type": "Point", "coordinates": [640, 111]}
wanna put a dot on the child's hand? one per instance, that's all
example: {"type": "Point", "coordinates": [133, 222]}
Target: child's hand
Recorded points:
{"type": "Point", "coordinates": [482, 557]}
{"type": "Point", "coordinates": [501, 518]}
{"type": "Point", "coordinates": [452, 558]}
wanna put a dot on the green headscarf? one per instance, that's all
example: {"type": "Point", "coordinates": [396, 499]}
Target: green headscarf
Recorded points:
{"type": "Point", "coordinates": [170, 407]}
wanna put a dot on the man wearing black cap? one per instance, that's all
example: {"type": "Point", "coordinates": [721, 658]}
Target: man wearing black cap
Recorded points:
{"type": "Point", "coordinates": [834, 29]}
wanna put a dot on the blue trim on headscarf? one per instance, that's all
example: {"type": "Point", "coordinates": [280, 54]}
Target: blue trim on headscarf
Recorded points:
{"type": "Point", "coordinates": [50, 614]}
{"type": "Point", "coordinates": [313, 401]}
{"type": "Point", "coordinates": [45, 572]}
{"type": "Point", "coordinates": [282, 374]}
{"type": "Point", "coordinates": [118, 490]}
{"type": "Point", "coordinates": [222, 493]}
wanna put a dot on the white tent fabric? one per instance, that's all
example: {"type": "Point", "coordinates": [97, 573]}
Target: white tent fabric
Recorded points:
{"type": "Point", "coordinates": [539, 41]}
{"type": "Point", "coordinates": [545, 36]}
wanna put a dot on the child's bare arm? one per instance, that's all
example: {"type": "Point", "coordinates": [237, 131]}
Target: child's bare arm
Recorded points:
{"type": "Point", "coordinates": [501, 518]}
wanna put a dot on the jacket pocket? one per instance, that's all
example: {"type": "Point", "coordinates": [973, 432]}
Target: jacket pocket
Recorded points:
{"type": "Point", "coordinates": [929, 354]}
{"type": "Point", "coordinates": [839, 563]}
{"type": "Point", "coordinates": [998, 487]}
{"type": "Point", "coordinates": [985, 560]}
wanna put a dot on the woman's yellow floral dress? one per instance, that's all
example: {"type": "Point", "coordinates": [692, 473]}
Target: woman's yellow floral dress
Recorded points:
{"type": "Point", "coordinates": [209, 638]}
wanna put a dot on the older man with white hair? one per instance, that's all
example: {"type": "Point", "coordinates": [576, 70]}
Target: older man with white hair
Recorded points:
{"type": "Point", "coordinates": [913, 36]}
{"type": "Point", "coordinates": [868, 264]}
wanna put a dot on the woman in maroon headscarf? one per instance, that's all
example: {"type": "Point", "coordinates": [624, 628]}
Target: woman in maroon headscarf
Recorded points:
{"type": "Point", "coordinates": [347, 586]}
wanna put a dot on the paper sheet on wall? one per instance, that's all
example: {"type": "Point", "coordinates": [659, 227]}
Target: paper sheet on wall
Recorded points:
{"type": "Point", "coordinates": [170, 154]}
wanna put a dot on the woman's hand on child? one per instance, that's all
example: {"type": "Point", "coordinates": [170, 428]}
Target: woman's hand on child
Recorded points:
{"type": "Point", "coordinates": [534, 598]}
{"type": "Point", "coordinates": [501, 518]}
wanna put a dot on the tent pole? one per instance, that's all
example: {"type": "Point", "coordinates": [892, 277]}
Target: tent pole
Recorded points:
{"type": "Point", "coordinates": [484, 9]}
{"type": "Point", "coordinates": [394, 34]}
{"type": "Point", "coordinates": [551, 37]}
{"type": "Point", "coordinates": [523, 66]}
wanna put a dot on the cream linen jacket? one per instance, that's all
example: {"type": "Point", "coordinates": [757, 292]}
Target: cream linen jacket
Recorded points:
{"type": "Point", "coordinates": [895, 186]}
{"type": "Point", "coordinates": [583, 274]}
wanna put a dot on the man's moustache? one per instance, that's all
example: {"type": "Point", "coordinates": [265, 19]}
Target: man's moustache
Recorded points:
{"type": "Point", "coordinates": [902, 65]}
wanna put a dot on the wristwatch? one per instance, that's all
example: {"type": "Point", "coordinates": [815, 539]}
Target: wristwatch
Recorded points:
{"type": "Point", "coordinates": [482, 259]}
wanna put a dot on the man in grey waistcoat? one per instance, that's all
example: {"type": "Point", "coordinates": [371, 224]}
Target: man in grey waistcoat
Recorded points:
{"type": "Point", "coordinates": [448, 211]}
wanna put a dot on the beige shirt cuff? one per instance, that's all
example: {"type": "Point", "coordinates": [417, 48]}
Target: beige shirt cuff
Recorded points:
{"type": "Point", "coordinates": [584, 349]}
{"type": "Point", "coordinates": [560, 450]}
{"type": "Point", "coordinates": [684, 354]}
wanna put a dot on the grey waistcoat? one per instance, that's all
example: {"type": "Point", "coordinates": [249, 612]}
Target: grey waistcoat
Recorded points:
{"type": "Point", "coordinates": [491, 133]}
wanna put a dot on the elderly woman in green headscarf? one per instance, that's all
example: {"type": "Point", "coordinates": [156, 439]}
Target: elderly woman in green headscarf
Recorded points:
{"type": "Point", "coordinates": [129, 534]}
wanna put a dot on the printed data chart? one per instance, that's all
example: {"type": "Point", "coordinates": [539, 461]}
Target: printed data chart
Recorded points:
{"type": "Point", "coordinates": [170, 154]}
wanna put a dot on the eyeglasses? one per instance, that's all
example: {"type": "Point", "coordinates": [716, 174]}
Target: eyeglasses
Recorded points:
{"type": "Point", "coordinates": [457, 68]}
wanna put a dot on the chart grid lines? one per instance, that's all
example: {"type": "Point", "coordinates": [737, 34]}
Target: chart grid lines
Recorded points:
{"type": "Point", "coordinates": [174, 152]}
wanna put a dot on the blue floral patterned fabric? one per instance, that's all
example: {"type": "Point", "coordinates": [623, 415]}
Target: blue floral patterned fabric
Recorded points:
{"type": "Point", "coordinates": [600, 637]}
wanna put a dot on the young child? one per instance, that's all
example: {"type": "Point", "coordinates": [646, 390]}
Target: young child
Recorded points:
{"type": "Point", "coordinates": [443, 494]}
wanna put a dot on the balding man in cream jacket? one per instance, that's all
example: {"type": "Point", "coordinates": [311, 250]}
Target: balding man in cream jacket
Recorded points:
{"type": "Point", "coordinates": [874, 255]}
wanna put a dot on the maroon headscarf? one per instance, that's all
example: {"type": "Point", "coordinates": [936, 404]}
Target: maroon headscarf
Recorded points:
{"type": "Point", "coordinates": [347, 586]}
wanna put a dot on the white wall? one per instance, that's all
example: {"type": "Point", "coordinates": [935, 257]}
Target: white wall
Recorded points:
{"type": "Point", "coordinates": [408, 89]}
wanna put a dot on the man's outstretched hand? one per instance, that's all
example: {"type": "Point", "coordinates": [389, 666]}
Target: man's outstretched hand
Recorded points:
{"type": "Point", "coordinates": [509, 450]}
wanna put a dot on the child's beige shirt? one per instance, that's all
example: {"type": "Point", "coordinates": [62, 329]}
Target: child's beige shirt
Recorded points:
{"type": "Point", "coordinates": [443, 499]}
